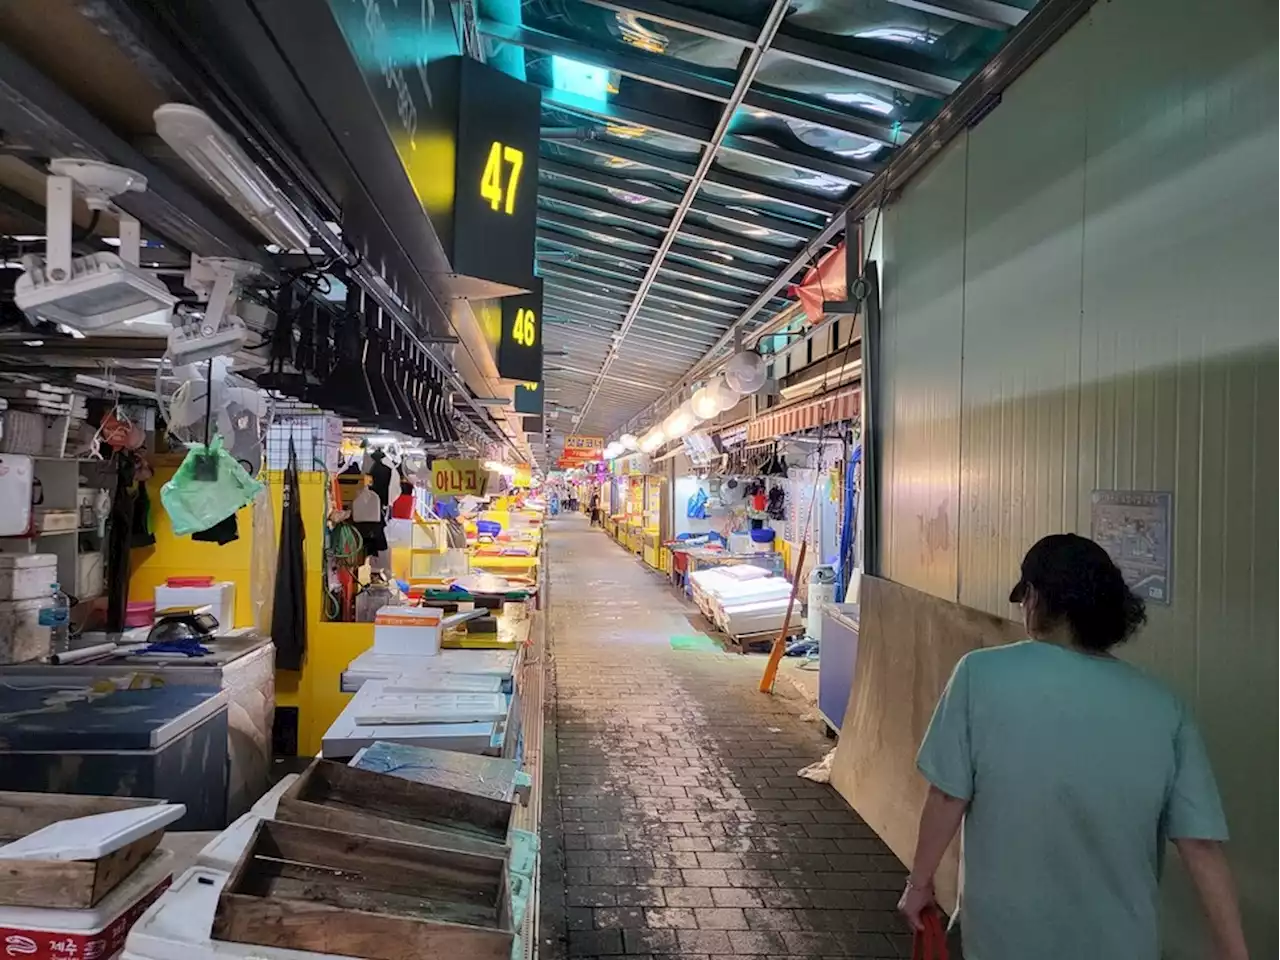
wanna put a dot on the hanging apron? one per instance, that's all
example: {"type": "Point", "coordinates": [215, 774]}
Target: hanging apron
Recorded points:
{"type": "Point", "coordinates": [289, 606]}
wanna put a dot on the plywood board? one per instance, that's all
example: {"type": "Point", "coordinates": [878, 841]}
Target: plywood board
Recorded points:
{"type": "Point", "coordinates": [302, 888]}
{"type": "Point", "coordinates": [909, 643]}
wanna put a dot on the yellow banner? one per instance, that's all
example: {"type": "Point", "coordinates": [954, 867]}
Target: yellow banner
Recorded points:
{"type": "Point", "coordinates": [458, 478]}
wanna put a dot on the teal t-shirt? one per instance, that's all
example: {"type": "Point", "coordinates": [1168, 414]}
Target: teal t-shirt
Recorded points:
{"type": "Point", "coordinates": [1077, 769]}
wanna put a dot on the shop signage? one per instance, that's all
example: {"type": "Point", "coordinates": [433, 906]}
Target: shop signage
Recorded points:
{"type": "Point", "coordinates": [458, 478]}
{"type": "Point", "coordinates": [520, 343]}
{"type": "Point", "coordinates": [578, 442]}
{"type": "Point", "coordinates": [528, 398]}
{"type": "Point", "coordinates": [466, 135]}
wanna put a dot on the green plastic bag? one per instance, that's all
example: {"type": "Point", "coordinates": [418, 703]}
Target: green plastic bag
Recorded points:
{"type": "Point", "coordinates": [209, 486]}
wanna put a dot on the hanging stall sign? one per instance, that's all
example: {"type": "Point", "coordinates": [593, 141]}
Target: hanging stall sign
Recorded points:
{"type": "Point", "coordinates": [458, 478]}
{"type": "Point", "coordinates": [581, 451]}
{"type": "Point", "coordinates": [520, 343]}
{"type": "Point", "coordinates": [465, 133]}
{"type": "Point", "coordinates": [527, 398]}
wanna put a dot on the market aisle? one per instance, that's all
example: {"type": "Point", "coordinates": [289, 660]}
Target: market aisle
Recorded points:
{"type": "Point", "coordinates": [676, 823]}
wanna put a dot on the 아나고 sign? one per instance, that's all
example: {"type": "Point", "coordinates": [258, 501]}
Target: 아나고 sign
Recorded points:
{"type": "Point", "coordinates": [458, 478]}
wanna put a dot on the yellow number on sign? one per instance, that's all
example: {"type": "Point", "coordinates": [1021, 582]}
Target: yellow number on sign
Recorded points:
{"type": "Point", "coordinates": [491, 182]}
{"type": "Point", "coordinates": [491, 188]}
{"type": "Point", "coordinates": [525, 329]}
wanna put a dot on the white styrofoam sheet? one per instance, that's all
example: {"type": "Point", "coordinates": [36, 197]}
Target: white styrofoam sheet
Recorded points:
{"type": "Point", "coordinates": [379, 702]}
{"type": "Point", "coordinates": [92, 837]}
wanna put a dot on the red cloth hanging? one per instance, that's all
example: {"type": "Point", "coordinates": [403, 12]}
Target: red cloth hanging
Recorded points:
{"type": "Point", "coordinates": [931, 940]}
{"type": "Point", "coordinates": [826, 281]}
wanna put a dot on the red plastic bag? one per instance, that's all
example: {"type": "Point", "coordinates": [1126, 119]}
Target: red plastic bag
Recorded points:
{"type": "Point", "coordinates": [931, 941]}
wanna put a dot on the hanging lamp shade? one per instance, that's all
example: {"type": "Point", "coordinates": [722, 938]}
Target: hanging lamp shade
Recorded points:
{"type": "Point", "coordinates": [745, 372]}
{"type": "Point", "coordinates": [705, 403]}
{"type": "Point", "coordinates": [629, 441]}
{"type": "Point", "coordinates": [726, 397]}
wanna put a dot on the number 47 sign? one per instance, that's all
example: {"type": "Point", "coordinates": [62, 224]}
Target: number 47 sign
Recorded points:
{"type": "Point", "coordinates": [458, 478]}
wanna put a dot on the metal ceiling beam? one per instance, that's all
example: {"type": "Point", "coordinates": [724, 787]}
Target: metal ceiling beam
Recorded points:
{"type": "Point", "coordinates": [602, 146]}
{"type": "Point", "coordinates": [750, 65]}
{"type": "Point", "coordinates": [849, 121]}
{"type": "Point", "coordinates": [547, 235]}
{"type": "Point", "coordinates": [728, 239]}
{"type": "Point", "coordinates": [623, 116]}
{"type": "Point", "coordinates": [868, 60]}
{"type": "Point", "coordinates": [832, 165]}
{"type": "Point", "coordinates": [615, 181]}
{"type": "Point", "coordinates": [601, 229]}
{"type": "Point", "coordinates": [650, 67]}
{"type": "Point", "coordinates": [980, 93]}
{"type": "Point", "coordinates": [657, 69]}
{"type": "Point", "coordinates": [769, 191]}
{"type": "Point", "coordinates": [682, 17]}
{"type": "Point", "coordinates": [736, 213]}
{"type": "Point", "coordinates": [623, 211]}
{"type": "Point", "coordinates": [980, 13]}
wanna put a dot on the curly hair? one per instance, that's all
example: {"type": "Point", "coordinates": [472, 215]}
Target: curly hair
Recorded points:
{"type": "Point", "coordinates": [1076, 581]}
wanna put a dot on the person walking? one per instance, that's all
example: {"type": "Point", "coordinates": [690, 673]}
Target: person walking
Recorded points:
{"type": "Point", "coordinates": [595, 508]}
{"type": "Point", "coordinates": [1069, 769]}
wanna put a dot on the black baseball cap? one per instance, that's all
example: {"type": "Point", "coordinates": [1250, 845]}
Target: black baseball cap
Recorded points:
{"type": "Point", "coordinates": [1059, 560]}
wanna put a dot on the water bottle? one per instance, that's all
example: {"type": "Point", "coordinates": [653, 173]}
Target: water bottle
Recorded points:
{"type": "Point", "coordinates": [56, 615]}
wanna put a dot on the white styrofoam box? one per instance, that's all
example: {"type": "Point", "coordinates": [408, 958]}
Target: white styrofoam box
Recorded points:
{"type": "Point", "coordinates": [179, 925]}
{"type": "Point", "coordinates": [56, 520]}
{"type": "Point", "coordinates": [17, 477]}
{"type": "Point", "coordinates": [223, 851]}
{"type": "Point", "coordinates": [27, 576]}
{"type": "Point", "coordinates": [46, 933]}
{"type": "Point", "coordinates": [407, 631]}
{"type": "Point", "coordinates": [220, 596]}
{"type": "Point", "coordinates": [21, 636]}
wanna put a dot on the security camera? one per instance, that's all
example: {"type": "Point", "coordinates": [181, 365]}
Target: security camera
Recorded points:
{"type": "Point", "coordinates": [95, 291]}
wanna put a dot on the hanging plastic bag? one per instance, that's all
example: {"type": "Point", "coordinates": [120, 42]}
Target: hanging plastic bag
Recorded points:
{"type": "Point", "coordinates": [399, 533]}
{"type": "Point", "coordinates": [697, 506]}
{"type": "Point", "coordinates": [262, 562]}
{"type": "Point", "coordinates": [209, 486]}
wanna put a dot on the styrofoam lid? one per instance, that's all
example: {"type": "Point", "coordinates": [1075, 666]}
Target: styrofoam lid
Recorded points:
{"type": "Point", "coordinates": [88, 838]}
{"type": "Point", "coordinates": [11, 560]}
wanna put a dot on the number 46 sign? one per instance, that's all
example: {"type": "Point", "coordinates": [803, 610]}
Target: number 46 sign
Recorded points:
{"type": "Point", "coordinates": [458, 478]}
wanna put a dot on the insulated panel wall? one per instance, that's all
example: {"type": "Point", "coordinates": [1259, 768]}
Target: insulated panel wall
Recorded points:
{"type": "Point", "coordinates": [1110, 323]}
{"type": "Point", "coordinates": [923, 323]}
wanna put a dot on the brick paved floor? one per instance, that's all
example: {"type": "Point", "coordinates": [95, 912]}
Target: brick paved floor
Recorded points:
{"type": "Point", "coordinates": [675, 823]}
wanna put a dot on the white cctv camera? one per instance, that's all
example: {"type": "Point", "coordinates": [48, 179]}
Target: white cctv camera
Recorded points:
{"type": "Point", "coordinates": [95, 291]}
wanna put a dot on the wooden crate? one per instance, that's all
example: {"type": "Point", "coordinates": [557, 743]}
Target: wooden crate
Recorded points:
{"type": "Point", "coordinates": [69, 884]}
{"type": "Point", "coordinates": [304, 888]}
{"type": "Point", "coordinates": [337, 797]}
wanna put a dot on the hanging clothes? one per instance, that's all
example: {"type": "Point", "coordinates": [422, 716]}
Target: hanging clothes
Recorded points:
{"type": "Point", "coordinates": [402, 506]}
{"type": "Point", "coordinates": [289, 613]}
{"type": "Point", "coordinates": [140, 534]}
{"type": "Point", "coordinates": [380, 478]}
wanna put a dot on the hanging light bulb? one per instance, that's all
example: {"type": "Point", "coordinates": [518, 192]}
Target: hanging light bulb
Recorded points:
{"type": "Point", "coordinates": [652, 440]}
{"type": "Point", "coordinates": [726, 397]}
{"type": "Point", "coordinates": [745, 372]}
{"type": "Point", "coordinates": [680, 422]}
{"type": "Point", "coordinates": [705, 403]}
{"type": "Point", "coordinates": [629, 441]}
